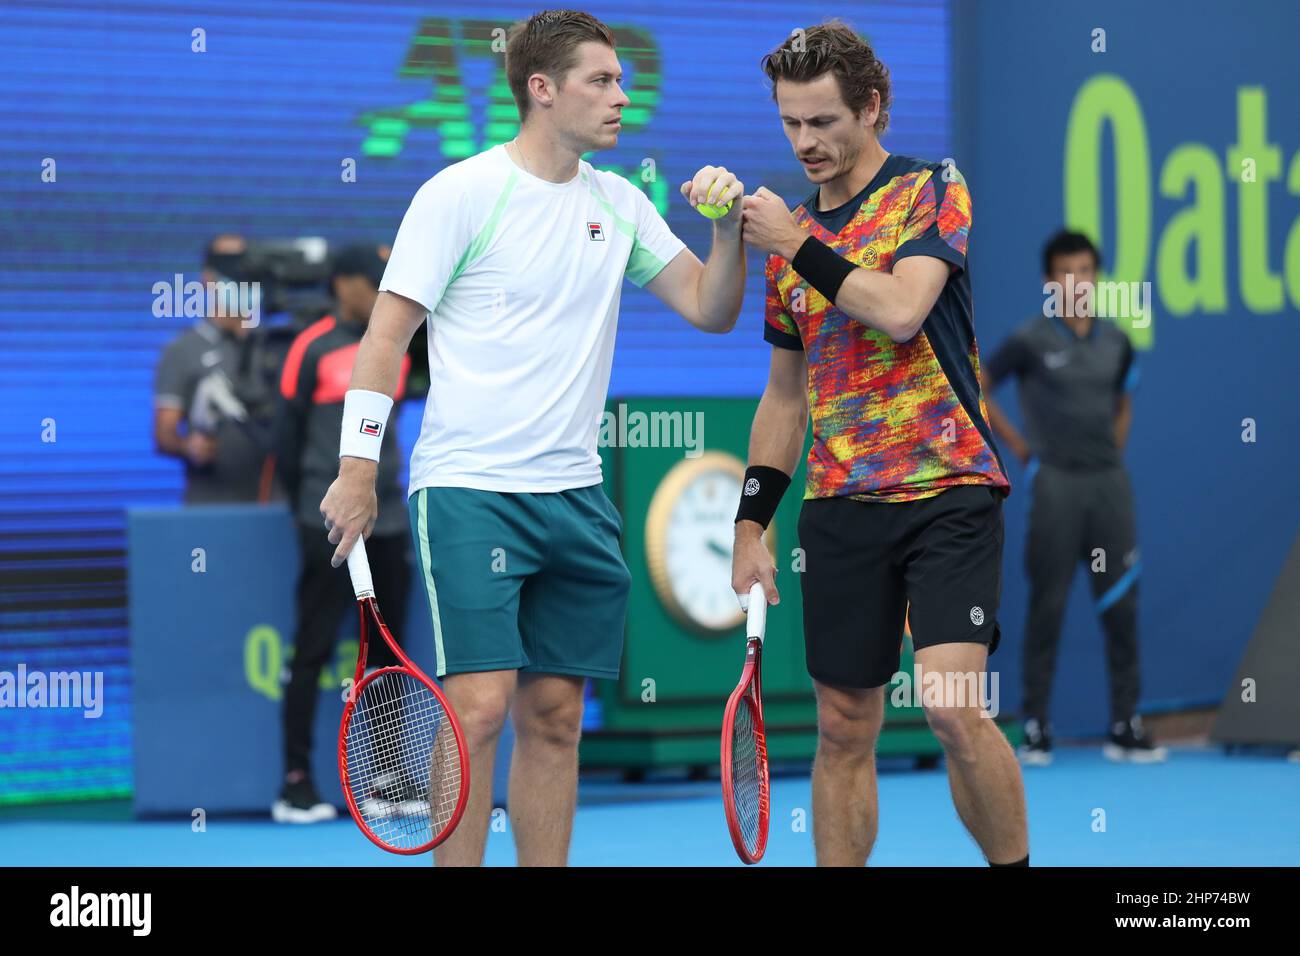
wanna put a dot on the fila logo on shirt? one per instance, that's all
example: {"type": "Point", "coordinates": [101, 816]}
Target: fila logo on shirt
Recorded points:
{"type": "Point", "coordinates": [595, 232]}
{"type": "Point", "coordinates": [370, 427]}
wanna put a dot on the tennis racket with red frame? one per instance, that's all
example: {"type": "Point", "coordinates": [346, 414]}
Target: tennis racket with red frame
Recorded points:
{"type": "Point", "coordinates": [402, 757]}
{"type": "Point", "coordinates": [745, 783]}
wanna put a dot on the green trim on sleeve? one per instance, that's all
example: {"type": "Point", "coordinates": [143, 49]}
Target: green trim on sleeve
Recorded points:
{"type": "Point", "coordinates": [478, 245]}
{"type": "Point", "coordinates": [626, 226]}
{"type": "Point", "coordinates": [642, 264]}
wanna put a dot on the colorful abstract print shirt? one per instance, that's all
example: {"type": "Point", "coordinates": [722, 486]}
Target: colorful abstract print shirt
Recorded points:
{"type": "Point", "coordinates": [891, 421]}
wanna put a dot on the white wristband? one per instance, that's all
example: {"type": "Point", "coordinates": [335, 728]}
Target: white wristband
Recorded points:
{"type": "Point", "coordinates": [365, 416]}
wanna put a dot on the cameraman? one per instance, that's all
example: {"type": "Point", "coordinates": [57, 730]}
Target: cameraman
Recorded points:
{"type": "Point", "coordinates": [203, 383]}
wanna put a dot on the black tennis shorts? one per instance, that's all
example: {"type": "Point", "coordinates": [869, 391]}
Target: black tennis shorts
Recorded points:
{"type": "Point", "coordinates": [865, 562]}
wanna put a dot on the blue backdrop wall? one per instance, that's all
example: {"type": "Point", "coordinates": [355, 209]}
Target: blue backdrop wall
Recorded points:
{"type": "Point", "coordinates": [156, 146]}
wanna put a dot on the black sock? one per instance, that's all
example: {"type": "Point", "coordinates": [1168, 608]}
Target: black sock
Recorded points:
{"type": "Point", "coordinates": [1024, 862]}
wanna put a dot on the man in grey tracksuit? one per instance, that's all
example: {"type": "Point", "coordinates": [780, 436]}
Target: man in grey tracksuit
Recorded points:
{"type": "Point", "coordinates": [1076, 373]}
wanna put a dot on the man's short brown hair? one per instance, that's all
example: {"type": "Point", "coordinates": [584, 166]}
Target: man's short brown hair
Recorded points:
{"type": "Point", "coordinates": [547, 42]}
{"type": "Point", "coordinates": [833, 47]}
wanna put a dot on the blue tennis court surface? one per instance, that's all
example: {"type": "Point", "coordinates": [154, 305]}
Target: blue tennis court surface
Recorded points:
{"type": "Point", "coordinates": [1202, 808]}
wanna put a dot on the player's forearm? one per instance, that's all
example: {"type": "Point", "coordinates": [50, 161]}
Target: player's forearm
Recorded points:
{"type": "Point", "coordinates": [378, 366]}
{"type": "Point", "coordinates": [878, 300]}
{"type": "Point", "coordinates": [393, 322]}
{"type": "Point", "coordinates": [777, 436]}
{"type": "Point", "coordinates": [722, 283]}
{"type": "Point", "coordinates": [379, 362]}
{"type": "Point", "coordinates": [776, 439]}
{"type": "Point", "coordinates": [881, 301]}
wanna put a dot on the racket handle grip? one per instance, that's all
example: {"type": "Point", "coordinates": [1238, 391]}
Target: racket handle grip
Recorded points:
{"type": "Point", "coordinates": [757, 622]}
{"type": "Point", "coordinates": [359, 569]}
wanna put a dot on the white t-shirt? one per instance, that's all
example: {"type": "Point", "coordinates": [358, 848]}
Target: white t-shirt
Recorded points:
{"type": "Point", "coordinates": [522, 279]}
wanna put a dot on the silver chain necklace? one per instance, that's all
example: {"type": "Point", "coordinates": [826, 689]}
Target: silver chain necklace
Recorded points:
{"type": "Point", "coordinates": [515, 142]}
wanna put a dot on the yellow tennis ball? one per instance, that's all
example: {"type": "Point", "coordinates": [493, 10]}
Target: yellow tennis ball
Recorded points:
{"type": "Point", "coordinates": [710, 211]}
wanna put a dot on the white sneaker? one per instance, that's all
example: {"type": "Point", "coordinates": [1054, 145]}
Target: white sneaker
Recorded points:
{"type": "Point", "coordinates": [300, 803]}
{"type": "Point", "coordinates": [1129, 743]}
{"type": "Point", "coordinates": [1036, 751]}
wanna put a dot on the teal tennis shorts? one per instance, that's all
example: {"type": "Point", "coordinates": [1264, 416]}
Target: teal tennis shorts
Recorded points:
{"type": "Point", "coordinates": [522, 581]}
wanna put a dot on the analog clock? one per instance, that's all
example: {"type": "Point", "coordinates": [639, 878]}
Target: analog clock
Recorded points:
{"type": "Point", "coordinates": [690, 529]}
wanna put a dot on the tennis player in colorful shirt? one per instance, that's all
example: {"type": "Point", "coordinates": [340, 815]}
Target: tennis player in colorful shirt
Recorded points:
{"type": "Point", "coordinates": [870, 318]}
{"type": "Point", "coordinates": [517, 256]}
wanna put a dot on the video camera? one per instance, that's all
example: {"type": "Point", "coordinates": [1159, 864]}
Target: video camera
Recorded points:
{"type": "Point", "coordinates": [293, 276]}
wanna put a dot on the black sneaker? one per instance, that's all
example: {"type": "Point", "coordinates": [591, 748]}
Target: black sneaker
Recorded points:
{"type": "Point", "coordinates": [1129, 743]}
{"type": "Point", "coordinates": [1036, 751]}
{"type": "Point", "coordinates": [300, 803]}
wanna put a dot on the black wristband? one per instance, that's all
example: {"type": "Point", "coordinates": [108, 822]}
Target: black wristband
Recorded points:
{"type": "Point", "coordinates": [761, 493]}
{"type": "Point", "coordinates": [821, 267]}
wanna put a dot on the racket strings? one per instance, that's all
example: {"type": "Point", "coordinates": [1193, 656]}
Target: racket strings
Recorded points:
{"type": "Point", "coordinates": [748, 789]}
{"type": "Point", "coordinates": [403, 763]}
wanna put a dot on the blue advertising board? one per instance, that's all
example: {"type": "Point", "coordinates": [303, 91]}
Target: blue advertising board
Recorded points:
{"type": "Point", "coordinates": [212, 622]}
